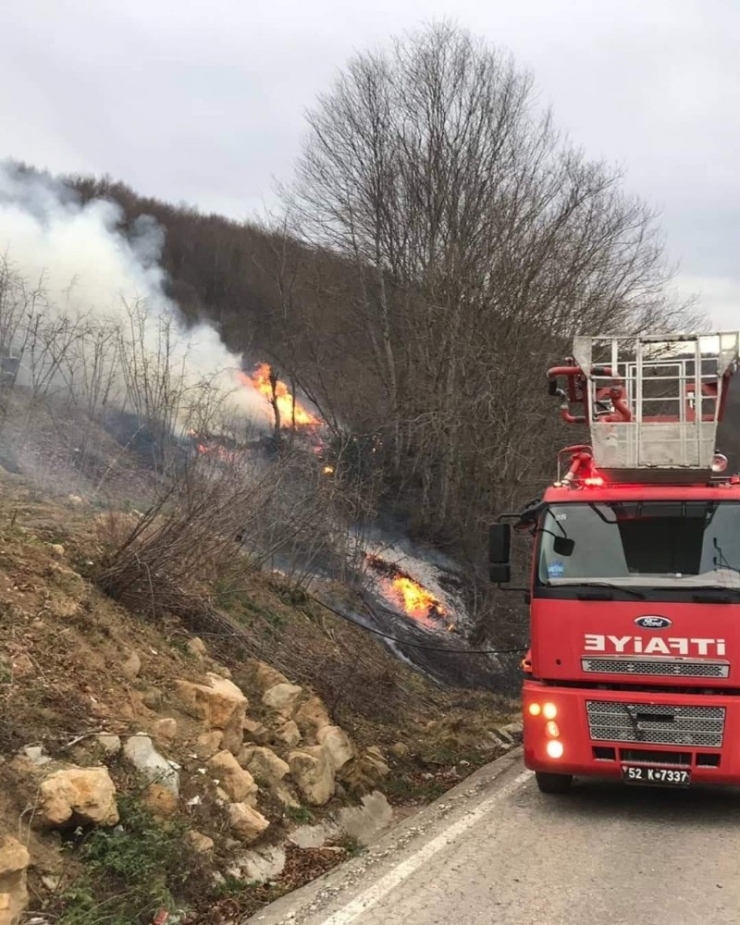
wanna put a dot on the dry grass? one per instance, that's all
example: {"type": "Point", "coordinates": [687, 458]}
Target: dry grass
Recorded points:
{"type": "Point", "coordinates": [64, 648]}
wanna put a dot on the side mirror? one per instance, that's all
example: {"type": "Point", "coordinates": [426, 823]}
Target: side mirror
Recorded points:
{"type": "Point", "coordinates": [563, 546]}
{"type": "Point", "coordinates": [499, 552]}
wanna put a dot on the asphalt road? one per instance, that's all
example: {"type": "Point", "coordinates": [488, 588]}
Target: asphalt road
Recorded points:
{"type": "Point", "coordinates": [497, 852]}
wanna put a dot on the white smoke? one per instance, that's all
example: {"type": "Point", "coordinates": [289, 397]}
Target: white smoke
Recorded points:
{"type": "Point", "coordinates": [86, 266]}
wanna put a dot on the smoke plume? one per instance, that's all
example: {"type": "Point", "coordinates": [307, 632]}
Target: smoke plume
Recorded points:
{"type": "Point", "coordinates": [86, 266]}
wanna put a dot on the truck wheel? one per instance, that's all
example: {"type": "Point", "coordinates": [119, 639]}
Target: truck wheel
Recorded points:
{"type": "Point", "coordinates": [553, 783]}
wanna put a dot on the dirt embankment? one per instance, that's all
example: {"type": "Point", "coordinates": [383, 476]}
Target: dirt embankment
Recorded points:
{"type": "Point", "coordinates": [149, 775]}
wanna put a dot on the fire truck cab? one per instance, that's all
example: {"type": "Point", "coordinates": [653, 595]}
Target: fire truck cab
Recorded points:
{"type": "Point", "coordinates": [634, 587]}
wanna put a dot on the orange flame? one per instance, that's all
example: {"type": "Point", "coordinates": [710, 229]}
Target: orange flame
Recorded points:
{"type": "Point", "coordinates": [415, 599]}
{"type": "Point", "coordinates": [288, 407]}
{"type": "Point", "coordinates": [210, 446]}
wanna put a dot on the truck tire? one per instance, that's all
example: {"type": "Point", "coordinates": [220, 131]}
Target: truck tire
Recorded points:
{"type": "Point", "coordinates": [553, 783]}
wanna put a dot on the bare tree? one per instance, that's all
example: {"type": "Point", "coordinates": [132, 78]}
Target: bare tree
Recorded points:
{"type": "Point", "coordinates": [480, 242]}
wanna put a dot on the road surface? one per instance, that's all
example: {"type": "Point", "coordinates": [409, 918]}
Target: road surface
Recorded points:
{"type": "Point", "coordinates": [497, 852]}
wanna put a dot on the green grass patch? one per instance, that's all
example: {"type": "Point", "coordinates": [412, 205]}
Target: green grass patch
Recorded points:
{"type": "Point", "coordinates": [130, 872]}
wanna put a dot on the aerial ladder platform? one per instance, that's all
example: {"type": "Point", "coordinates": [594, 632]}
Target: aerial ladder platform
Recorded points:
{"type": "Point", "coordinates": [652, 404]}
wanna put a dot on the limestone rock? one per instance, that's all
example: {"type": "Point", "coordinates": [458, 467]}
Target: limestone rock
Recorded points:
{"type": "Point", "coordinates": [263, 763]}
{"type": "Point", "coordinates": [77, 796]}
{"type": "Point", "coordinates": [364, 823]}
{"type": "Point", "coordinates": [131, 665]}
{"type": "Point", "coordinates": [199, 842]}
{"type": "Point", "coordinates": [165, 729]}
{"type": "Point", "coordinates": [288, 733]}
{"type": "Point", "coordinates": [511, 733]}
{"type": "Point", "coordinates": [256, 732]}
{"type": "Point", "coordinates": [261, 864]}
{"type": "Point", "coordinates": [263, 676]}
{"type": "Point", "coordinates": [312, 716]}
{"type": "Point", "coordinates": [283, 794]}
{"type": "Point", "coordinates": [22, 666]}
{"type": "Point", "coordinates": [14, 861]}
{"type": "Point", "coordinates": [365, 771]}
{"type": "Point", "coordinates": [313, 772]}
{"type": "Point", "coordinates": [375, 759]}
{"type": "Point", "coordinates": [222, 671]}
{"type": "Point", "coordinates": [36, 754]}
{"type": "Point", "coordinates": [399, 750]}
{"type": "Point", "coordinates": [283, 699]}
{"type": "Point", "coordinates": [208, 743]}
{"type": "Point", "coordinates": [197, 647]}
{"type": "Point", "coordinates": [110, 744]}
{"type": "Point", "coordinates": [220, 704]}
{"type": "Point", "coordinates": [237, 783]}
{"type": "Point", "coordinates": [160, 800]}
{"type": "Point", "coordinates": [152, 699]}
{"type": "Point", "coordinates": [247, 823]}
{"type": "Point", "coordinates": [155, 768]}
{"type": "Point", "coordinates": [338, 744]}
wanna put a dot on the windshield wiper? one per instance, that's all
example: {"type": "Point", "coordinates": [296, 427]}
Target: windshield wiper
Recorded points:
{"type": "Point", "coordinates": [714, 594]}
{"type": "Point", "coordinates": [606, 584]}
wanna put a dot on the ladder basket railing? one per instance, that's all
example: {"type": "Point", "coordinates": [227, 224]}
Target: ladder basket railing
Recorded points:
{"type": "Point", "coordinates": [652, 403]}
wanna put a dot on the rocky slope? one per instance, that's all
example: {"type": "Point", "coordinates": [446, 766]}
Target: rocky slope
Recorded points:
{"type": "Point", "coordinates": [150, 775]}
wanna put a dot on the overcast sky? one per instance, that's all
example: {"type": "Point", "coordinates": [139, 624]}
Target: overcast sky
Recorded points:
{"type": "Point", "coordinates": [203, 101]}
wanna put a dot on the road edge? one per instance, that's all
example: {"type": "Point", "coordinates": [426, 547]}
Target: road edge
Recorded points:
{"type": "Point", "coordinates": [409, 833]}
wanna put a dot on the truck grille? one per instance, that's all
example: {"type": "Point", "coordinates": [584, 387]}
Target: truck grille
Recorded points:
{"type": "Point", "coordinates": [657, 667]}
{"type": "Point", "coordinates": [657, 724]}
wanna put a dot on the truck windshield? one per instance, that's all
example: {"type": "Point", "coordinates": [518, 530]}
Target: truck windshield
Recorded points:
{"type": "Point", "coordinates": [671, 544]}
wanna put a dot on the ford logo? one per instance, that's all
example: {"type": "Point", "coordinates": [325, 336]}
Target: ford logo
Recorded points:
{"type": "Point", "coordinates": [653, 623]}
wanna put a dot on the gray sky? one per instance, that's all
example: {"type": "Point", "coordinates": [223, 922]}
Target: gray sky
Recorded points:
{"type": "Point", "coordinates": [202, 101]}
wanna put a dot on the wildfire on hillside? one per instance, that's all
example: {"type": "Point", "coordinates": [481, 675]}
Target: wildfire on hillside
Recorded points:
{"type": "Point", "coordinates": [409, 595]}
{"type": "Point", "coordinates": [221, 448]}
{"type": "Point", "coordinates": [290, 409]}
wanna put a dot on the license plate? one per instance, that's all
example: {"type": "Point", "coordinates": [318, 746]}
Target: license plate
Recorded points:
{"type": "Point", "coordinates": [669, 777]}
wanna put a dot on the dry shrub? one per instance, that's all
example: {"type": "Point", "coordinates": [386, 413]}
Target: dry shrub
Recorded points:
{"type": "Point", "coordinates": [223, 516]}
{"type": "Point", "coordinates": [189, 535]}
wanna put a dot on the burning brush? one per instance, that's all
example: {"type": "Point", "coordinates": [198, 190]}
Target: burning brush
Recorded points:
{"type": "Point", "coordinates": [404, 592]}
{"type": "Point", "coordinates": [288, 410]}
{"type": "Point", "coordinates": [217, 446]}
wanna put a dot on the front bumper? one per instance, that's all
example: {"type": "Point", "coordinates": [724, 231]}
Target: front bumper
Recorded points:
{"type": "Point", "coordinates": [601, 730]}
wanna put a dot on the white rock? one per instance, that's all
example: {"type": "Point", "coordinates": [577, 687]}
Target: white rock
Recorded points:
{"type": "Point", "coordinates": [35, 753]}
{"type": "Point", "coordinates": [364, 823]}
{"type": "Point", "coordinates": [155, 768]}
{"type": "Point", "coordinates": [111, 744]}
{"type": "Point", "coordinates": [261, 864]}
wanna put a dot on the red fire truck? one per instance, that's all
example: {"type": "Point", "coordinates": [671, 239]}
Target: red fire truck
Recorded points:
{"type": "Point", "coordinates": [634, 588]}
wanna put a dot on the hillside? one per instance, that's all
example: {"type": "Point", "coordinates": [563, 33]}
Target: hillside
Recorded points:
{"type": "Point", "coordinates": [300, 717]}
